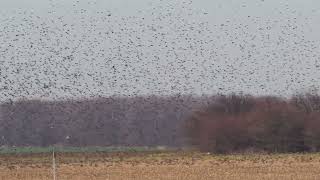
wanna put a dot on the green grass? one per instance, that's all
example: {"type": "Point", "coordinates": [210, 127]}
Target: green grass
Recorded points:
{"type": "Point", "coordinates": [20, 150]}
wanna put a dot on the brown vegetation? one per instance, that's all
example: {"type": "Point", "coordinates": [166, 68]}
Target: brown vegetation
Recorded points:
{"type": "Point", "coordinates": [224, 123]}
{"type": "Point", "coordinates": [238, 123]}
{"type": "Point", "coordinates": [166, 166]}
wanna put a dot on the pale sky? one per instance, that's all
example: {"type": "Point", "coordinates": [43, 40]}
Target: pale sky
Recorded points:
{"type": "Point", "coordinates": [67, 49]}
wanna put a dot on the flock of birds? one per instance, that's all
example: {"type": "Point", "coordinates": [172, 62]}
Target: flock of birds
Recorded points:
{"type": "Point", "coordinates": [169, 48]}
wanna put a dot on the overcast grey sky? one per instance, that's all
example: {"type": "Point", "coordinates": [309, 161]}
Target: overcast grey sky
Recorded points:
{"type": "Point", "coordinates": [68, 49]}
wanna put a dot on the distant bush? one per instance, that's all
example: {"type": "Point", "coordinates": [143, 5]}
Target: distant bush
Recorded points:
{"type": "Point", "coordinates": [239, 123]}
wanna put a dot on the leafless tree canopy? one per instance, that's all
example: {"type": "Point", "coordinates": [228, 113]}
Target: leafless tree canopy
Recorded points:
{"type": "Point", "coordinates": [137, 121]}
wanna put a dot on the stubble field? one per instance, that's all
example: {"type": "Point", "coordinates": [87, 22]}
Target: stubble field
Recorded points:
{"type": "Point", "coordinates": [159, 165]}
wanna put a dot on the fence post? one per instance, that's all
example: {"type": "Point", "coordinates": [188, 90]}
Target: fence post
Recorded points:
{"type": "Point", "coordinates": [54, 165]}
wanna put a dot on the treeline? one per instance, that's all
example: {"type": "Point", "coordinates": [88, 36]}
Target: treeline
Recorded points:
{"type": "Point", "coordinates": [112, 121]}
{"type": "Point", "coordinates": [244, 123]}
{"type": "Point", "coordinates": [221, 123]}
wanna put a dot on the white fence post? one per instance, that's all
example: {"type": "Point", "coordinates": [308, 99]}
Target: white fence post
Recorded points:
{"type": "Point", "coordinates": [54, 165]}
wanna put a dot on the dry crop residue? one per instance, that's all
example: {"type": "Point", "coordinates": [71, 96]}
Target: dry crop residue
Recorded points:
{"type": "Point", "coordinates": [160, 165]}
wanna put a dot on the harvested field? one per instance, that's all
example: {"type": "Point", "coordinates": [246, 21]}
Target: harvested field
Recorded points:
{"type": "Point", "coordinates": [160, 165]}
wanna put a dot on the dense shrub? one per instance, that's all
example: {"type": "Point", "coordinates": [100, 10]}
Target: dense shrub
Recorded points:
{"type": "Point", "coordinates": [238, 123]}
